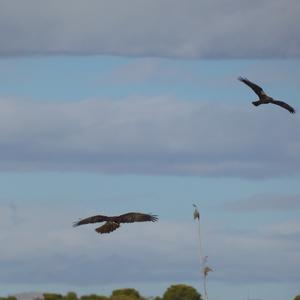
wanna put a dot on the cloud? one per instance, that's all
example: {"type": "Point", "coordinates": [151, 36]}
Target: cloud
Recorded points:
{"type": "Point", "coordinates": [266, 202]}
{"type": "Point", "coordinates": [54, 252]}
{"type": "Point", "coordinates": [190, 29]}
{"type": "Point", "coordinates": [148, 136]}
{"type": "Point", "coordinates": [264, 254]}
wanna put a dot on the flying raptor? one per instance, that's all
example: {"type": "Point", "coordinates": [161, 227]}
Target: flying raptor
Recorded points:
{"type": "Point", "coordinates": [112, 223]}
{"type": "Point", "coordinates": [263, 97]}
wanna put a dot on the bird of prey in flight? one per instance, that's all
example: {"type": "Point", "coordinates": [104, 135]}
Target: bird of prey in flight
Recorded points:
{"type": "Point", "coordinates": [263, 97]}
{"type": "Point", "coordinates": [112, 223]}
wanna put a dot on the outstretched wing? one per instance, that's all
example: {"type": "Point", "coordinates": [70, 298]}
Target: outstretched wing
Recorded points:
{"type": "Point", "coordinates": [93, 219]}
{"type": "Point", "coordinates": [136, 217]}
{"type": "Point", "coordinates": [284, 105]}
{"type": "Point", "coordinates": [107, 227]}
{"type": "Point", "coordinates": [257, 89]}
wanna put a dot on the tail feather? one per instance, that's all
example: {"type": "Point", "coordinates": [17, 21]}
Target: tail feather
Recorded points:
{"type": "Point", "coordinates": [107, 227]}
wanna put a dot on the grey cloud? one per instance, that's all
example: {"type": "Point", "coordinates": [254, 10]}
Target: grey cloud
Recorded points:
{"type": "Point", "coordinates": [255, 257]}
{"type": "Point", "coordinates": [189, 29]}
{"type": "Point", "coordinates": [266, 202]}
{"type": "Point", "coordinates": [148, 136]}
{"type": "Point", "coordinates": [55, 252]}
{"type": "Point", "coordinates": [10, 216]}
{"type": "Point", "coordinates": [168, 251]}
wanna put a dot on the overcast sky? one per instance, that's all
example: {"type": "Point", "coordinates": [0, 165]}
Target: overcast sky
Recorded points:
{"type": "Point", "coordinates": [107, 108]}
{"type": "Point", "coordinates": [168, 28]}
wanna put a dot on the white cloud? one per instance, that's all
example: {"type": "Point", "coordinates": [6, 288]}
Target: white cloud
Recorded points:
{"type": "Point", "coordinates": [282, 230]}
{"type": "Point", "coordinates": [148, 136]}
{"type": "Point", "coordinates": [54, 252]}
{"type": "Point", "coordinates": [257, 256]}
{"type": "Point", "coordinates": [168, 28]}
{"type": "Point", "coordinates": [266, 202]}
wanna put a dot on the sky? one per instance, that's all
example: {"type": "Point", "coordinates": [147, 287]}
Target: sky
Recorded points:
{"type": "Point", "coordinates": [119, 106]}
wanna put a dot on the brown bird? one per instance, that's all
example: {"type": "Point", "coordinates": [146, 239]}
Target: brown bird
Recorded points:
{"type": "Point", "coordinates": [112, 223]}
{"type": "Point", "coordinates": [263, 97]}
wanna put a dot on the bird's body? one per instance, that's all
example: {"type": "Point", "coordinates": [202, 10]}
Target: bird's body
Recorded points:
{"type": "Point", "coordinates": [113, 222]}
{"type": "Point", "coordinates": [263, 97]}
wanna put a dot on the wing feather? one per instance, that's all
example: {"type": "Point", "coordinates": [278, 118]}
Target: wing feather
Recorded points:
{"type": "Point", "coordinates": [257, 89]}
{"type": "Point", "coordinates": [284, 105]}
{"type": "Point", "coordinates": [136, 217]}
{"type": "Point", "coordinates": [89, 220]}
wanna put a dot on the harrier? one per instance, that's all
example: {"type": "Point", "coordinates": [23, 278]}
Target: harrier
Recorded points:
{"type": "Point", "coordinates": [263, 97]}
{"type": "Point", "coordinates": [112, 223]}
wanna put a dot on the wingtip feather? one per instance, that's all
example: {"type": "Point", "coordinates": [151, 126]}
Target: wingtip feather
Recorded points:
{"type": "Point", "coordinates": [154, 218]}
{"type": "Point", "coordinates": [76, 223]}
